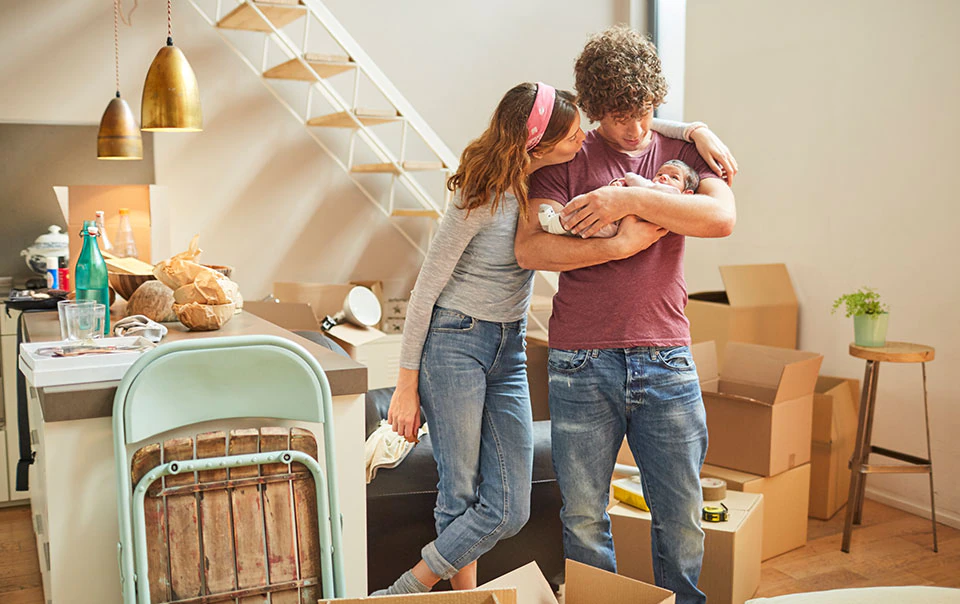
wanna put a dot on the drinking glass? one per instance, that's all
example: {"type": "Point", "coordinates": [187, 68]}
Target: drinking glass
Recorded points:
{"type": "Point", "coordinates": [84, 321]}
{"type": "Point", "coordinates": [61, 305]}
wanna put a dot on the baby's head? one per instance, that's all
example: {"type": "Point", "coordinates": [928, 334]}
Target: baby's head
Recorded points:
{"type": "Point", "coordinates": [675, 173]}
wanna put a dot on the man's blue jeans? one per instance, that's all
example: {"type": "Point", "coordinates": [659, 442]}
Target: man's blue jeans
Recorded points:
{"type": "Point", "coordinates": [474, 393]}
{"type": "Point", "coordinates": [651, 395]}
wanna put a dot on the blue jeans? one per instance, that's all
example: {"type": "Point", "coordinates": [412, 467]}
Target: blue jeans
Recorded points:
{"type": "Point", "coordinates": [474, 393]}
{"type": "Point", "coordinates": [651, 395]}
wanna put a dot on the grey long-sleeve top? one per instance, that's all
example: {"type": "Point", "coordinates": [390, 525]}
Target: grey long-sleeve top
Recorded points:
{"type": "Point", "coordinates": [470, 267]}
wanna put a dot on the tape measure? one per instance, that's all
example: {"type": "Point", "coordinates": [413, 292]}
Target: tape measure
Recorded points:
{"type": "Point", "coordinates": [714, 489]}
{"type": "Point", "coordinates": [712, 513]}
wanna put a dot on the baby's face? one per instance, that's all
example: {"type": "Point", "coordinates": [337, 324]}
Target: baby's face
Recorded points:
{"type": "Point", "coordinates": [672, 176]}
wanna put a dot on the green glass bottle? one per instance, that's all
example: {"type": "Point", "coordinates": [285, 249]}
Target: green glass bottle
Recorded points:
{"type": "Point", "coordinates": [91, 272]}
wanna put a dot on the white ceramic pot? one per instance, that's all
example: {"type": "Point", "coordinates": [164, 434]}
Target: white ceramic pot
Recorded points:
{"type": "Point", "coordinates": [51, 243]}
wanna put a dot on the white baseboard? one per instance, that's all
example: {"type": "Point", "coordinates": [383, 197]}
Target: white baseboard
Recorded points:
{"type": "Point", "coordinates": [896, 501]}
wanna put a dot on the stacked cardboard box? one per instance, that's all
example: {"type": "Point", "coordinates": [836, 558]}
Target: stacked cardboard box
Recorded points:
{"type": "Point", "coordinates": [394, 315]}
{"type": "Point", "coordinates": [835, 406]}
{"type": "Point", "coordinates": [758, 305]}
{"type": "Point", "coordinates": [537, 374]}
{"type": "Point", "coordinates": [759, 416]}
{"type": "Point", "coordinates": [731, 557]}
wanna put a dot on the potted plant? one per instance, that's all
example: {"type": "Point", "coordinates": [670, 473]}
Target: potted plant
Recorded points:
{"type": "Point", "coordinates": [869, 314]}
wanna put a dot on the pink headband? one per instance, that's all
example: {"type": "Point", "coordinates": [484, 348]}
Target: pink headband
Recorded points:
{"type": "Point", "coordinates": [540, 114]}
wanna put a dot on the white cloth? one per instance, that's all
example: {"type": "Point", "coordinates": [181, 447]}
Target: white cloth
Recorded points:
{"type": "Point", "coordinates": [386, 449]}
{"type": "Point", "coordinates": [139, 325]}
{"type": "Point", "coordinates": [874, 595]}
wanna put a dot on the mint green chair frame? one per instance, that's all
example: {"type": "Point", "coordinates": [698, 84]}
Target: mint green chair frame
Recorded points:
{"type": "Point", "coordinates": [194, 381]}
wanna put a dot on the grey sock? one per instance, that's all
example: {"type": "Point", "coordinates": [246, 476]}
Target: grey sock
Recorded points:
{"type": "Point", "coordinates": [406, 584]}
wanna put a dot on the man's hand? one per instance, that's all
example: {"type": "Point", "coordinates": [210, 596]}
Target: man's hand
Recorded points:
{"type": "Point", "coordinates": [636, 235]}
{"type": "Point", "coordinates": [586, 214]}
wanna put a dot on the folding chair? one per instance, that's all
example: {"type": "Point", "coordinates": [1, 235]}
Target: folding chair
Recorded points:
{"type": "Point", "coordinates": [226, 518]}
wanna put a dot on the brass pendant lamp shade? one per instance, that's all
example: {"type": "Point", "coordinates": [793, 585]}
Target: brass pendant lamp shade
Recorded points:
{"type": "Point", "coordinates": [119, 137]}
{"type": "Point", "coordinates": [171, 97]}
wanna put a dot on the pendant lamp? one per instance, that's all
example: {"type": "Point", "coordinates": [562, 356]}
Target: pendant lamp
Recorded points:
{"type": "Point", "coordinates": [171, 97]}
{"type": "Point", "coordinates": [118, 137]}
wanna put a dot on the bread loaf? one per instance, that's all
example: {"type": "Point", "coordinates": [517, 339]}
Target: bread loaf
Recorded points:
{"type": "Point", "coordinates": [204, 317]}
{"type": "Point", "coordinates": [208, 288]}
{"type": "Point", "coordinates": [153, 300]}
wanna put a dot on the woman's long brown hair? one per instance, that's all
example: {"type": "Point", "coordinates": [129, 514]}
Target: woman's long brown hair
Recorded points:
{"type": "Point", "coordinates": [497, 161]}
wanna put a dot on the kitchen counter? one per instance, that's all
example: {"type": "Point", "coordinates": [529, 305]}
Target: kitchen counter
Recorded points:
{"type": "Point", "coordinates": [83, 401]}
{"type": "Point", "coordinates": [73, 485]}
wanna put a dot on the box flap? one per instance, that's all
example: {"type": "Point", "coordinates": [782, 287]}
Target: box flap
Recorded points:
{"type": "Point", "coordinates": [585, 584]}
{"type": "Point", "coordinates": [705, 358]}
{"type": "Point", "coordinates": [528, 580]}
{"type": "Point", "coordinates": [475, 596]}
{"type": "Point", "coordinates": [353, 335]}
{"type": "Point", "coordinates": [799, 379]}
{"type": "Point", "coordinates": [288, 315]}
{"type": "Point", "coordinates": [758, 285]}
{"type": "Point", "coordinates": [766, 366]}
{"type": "Point", "coordinates": [325, 299]}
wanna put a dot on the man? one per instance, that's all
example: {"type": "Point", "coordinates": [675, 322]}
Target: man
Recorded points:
{"type": "Point", "coordinates": [619, 361]}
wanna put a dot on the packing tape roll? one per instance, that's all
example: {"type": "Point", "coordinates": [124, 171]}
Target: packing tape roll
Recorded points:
{"type": "Point", "coordinates": [714, 489]}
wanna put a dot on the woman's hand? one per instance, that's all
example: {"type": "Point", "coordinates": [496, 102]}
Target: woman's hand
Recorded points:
{"type": "Point", "coordinates": [586, 214]}
{"type": "Point", "coordinates": [636, 235]}
{"type": "Point", "coordinates": [404, 414]}
{"type": "Point", "coordinates": [715, 153]}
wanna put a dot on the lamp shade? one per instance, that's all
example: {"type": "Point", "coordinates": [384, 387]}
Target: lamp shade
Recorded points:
{"type": "Point", "coordinates": [171, 97]}
{"type": "Point", "coordinates": [119, 137]}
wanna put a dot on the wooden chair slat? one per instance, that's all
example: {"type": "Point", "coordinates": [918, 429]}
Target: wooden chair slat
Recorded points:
{"type": "Point", "coordinates": [220, 559]}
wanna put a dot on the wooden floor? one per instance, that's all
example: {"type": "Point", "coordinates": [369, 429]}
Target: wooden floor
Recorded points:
{"type": "Point", "coordinates": [891, 548]}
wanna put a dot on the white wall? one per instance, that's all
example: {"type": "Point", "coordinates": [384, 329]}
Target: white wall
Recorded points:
{"type": "Point", "coordinates": [843, 116]}
{"type": "Point", "coordinates": [260, 192]}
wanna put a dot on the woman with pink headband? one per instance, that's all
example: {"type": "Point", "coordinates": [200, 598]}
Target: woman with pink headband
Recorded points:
{"type": "Point", "coordinates": [463, 359]}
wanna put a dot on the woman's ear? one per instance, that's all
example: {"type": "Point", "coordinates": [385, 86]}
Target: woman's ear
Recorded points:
{"type": "Point", "coordinates": [536, 154]}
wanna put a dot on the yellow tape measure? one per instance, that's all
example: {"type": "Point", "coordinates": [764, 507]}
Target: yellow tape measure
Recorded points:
{"type": "Point", "coordinates": [712, 513]}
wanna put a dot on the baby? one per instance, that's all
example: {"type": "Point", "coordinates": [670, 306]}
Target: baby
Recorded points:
{"type": "Point", "coordinates": [674, 177]}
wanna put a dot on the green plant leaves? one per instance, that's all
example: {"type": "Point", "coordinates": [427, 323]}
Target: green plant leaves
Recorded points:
{"type": "Point", "coordinates": [864, 301]}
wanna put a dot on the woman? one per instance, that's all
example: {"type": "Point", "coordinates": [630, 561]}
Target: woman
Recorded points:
{"type": "Point", "coordinates": [463, 355]}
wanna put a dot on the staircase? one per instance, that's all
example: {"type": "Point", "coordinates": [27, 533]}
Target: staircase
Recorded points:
{"type": "Point", "coordinates": [322, 75]}
{"type": "Point", "coordinates": [317, 72]}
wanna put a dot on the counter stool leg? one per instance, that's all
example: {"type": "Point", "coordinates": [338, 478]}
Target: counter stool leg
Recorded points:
{"type": "Point", "coordinates": [926, 417]}
{"type": "Point", "coordinates": [867, 440]}
{"type": "Point", "coordinates": [857, 459]}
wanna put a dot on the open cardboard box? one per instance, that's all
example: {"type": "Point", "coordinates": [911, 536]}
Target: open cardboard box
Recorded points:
{"type": "Point", "coordinates": [731, 556]}
{"type": "Point", "coordinates": [527, 585]}
{"type": "Point", "coordinates": [759, 406]}
{"type": "Point", "coordinates": [835, 405]}
{"type": "Point", "coordinates": [785, 498]}
{"type": "Point", "coordinates": [366, 345]}
{"type": "Point", "coordinates": [758, 305]}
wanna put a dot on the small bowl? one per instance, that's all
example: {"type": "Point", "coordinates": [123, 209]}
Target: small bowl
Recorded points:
{"type": "Point", "coordinates": [226, 271]}
{"type": "Point", "coordinates": [127, 284]}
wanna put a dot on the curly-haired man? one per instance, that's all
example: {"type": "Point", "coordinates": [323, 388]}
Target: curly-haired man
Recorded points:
{"type": "Point", "coordinates": [619, 361]}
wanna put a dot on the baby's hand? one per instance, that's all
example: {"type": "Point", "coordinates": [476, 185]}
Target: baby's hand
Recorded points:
{"type": "Point", "coordinates": [618, 182]}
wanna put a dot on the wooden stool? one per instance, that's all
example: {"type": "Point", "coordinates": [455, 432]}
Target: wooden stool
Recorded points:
{"type": "Point", "coordinates": [893, 352]}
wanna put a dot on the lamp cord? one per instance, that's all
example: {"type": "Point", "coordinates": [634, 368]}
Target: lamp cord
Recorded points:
{"type": "Point", "coordinates": [116, 42]}
{"type": "Point", "coordinates": [169, 22]}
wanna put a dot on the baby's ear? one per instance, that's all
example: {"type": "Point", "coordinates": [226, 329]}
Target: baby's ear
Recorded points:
{"type": "Point", "coordinates": [689, 192]}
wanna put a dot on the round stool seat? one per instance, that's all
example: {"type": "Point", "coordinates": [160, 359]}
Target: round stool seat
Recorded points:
{"type": "Point", "coordinates": [894, 352]}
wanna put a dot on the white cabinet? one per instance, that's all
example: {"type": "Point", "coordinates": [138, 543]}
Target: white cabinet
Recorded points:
{"type": "Point", "coordinates": [9, 441]}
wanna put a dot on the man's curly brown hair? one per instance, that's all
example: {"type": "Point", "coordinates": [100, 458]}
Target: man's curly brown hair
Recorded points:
{"type": "Point", "coordinates": [618, 73]}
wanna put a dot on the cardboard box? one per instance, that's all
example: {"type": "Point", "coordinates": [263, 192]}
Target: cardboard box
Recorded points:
{"type": "Point", "coordinates": [474, 596]}
{"type": "Point", "coordinates": [835, 407]}
{"type": "Point", "coordinates": [538, 377]}
{"type": "Point", "coordinates": [759, 407]}
{"type": "Point", "coordinates": [368, 346]}
{"type": "Point", "coordinates": [324, 298]}
{"type": "Point", "coordinates": [758, 305]}
{"type": "Point", "coordinates": [731, 558]}
{"type": "Point", "coordinates": [583, 585]}
{"type": "Point", "coordinates": [784, 501]}
{"type": "Point", "coordinates": [392, 326]}
{"type": "Point", "coordinates": [395, 308]}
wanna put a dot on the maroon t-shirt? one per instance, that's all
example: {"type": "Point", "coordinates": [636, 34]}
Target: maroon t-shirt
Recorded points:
{"type": "Point", "coordinates": [637, 301]}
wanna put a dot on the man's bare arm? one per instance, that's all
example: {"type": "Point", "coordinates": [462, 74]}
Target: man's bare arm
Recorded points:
{"type": "Point", "coordinates": [710, 213]}
{"type": "Point", "coordinates": [538, 250]}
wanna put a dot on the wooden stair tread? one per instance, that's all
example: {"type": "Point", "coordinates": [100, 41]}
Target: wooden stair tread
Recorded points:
{"type": "Point", "coordinates": [342, 119]}
{"type": "Point", "coordinates": [389, 168]}
{"type": "Point", "coordinates": [279, 12]}
{"type": "Point", "coordinates": [423, 213]}
{"type": "Point", "coordinates": [325, 66]}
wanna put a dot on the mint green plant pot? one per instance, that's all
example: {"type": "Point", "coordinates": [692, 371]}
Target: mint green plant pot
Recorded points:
{"type": "Point", "coordinates": [870, 330]}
